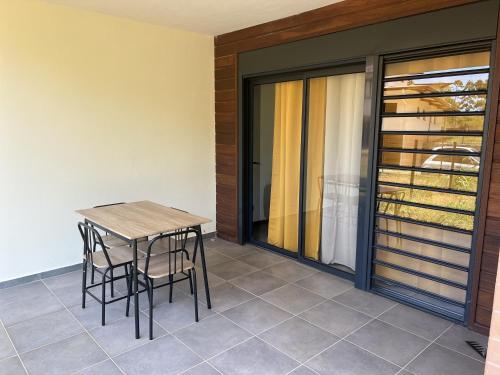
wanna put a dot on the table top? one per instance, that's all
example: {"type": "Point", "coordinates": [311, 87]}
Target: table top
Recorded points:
{"type": "Point", "coordinates": [140, 219]}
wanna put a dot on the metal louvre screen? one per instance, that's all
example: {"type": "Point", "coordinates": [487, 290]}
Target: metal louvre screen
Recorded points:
{"type": "Point", "coordinates": [428, 164]}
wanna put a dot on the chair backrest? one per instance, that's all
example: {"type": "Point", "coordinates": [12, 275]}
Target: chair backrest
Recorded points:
{"type": "Point", "coordinates": [91, 239]}
{"type": "Point", "coordinates": [174, 250]}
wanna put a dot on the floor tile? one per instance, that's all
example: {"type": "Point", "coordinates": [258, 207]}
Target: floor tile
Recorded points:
{"type": "Point", "coordinates": [335, 318]}
{"type": "Point", "coordinates": [212, 335]}
{"type": "Point", "coordinates": [213, 258]}
{"type": "Point", "coordinates": [298, 339]}
{"type": "Point", "coordinates": [325, 285]}
{"type": "Point", "coordinates": [258, 282]}
{"type": "Point", "coordinates": [225, 296]}
{"type": "Point", "coordinates": [290, 271]}
{"type": "Point", "coordinates": [233, 250]}
{"type": "Point", "coordinates": [256, 315]}
{"type": "Point", "coordinates": [418, 322]}
{"type": "Point", "coordinates": [302, 370]}
{"type": "Point", "coordinates": [119, 336]}
{"type": "Point", "coordinates": [179, 314]}
{"type": "Point", "coordinates": [202, 369]}
{"type": "Point", "coordinates": [347, 359]}
{"type": "Point", "coordinates": [213, 281]}
{"type": "Point", "coordinates": [232, 269]}
{"type": "Point", "coordinates": [388, 342]}
{"type": "Point", "coordinates": [24, 309]}
{"type": "Point", "coordinates": [292, 298]}
{"type": "Point", "coordinates": [261, 258]}
{"type": "Point", "coordinates": [43, 330]}
{"type": "Point", "coordinates": [11, 366]}
{"type": "Point", "coordinates": [6, 348]}
{"type": "Point", "coordinates": [368, 303]}
{"type": "Point", "coordinates": [90, 316]}
{"type": "Point", "coordinates": [163, 356]}
{"type": "Point", "coordinates": [25, 291]}
{"type": "Point", "coordinates": [64, 357]}
{"type": "Point", "coordinates": [253, 357]}
{"type": "Point", "coordinates": [455, 338]}
{"type": "Point", "coordinates": [437, 360]}
{"type": "Point", "coordinates": [103, 368]}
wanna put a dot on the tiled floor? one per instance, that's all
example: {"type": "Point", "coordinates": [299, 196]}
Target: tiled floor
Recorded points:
{"type": "Point", "coordinates": [270, 315]}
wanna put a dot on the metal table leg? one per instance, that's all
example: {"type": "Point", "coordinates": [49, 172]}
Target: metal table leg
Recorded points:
{"type": "Point", "coordinates": [136, 290]}
{"type": "Point", "coordinates": [203, 264]}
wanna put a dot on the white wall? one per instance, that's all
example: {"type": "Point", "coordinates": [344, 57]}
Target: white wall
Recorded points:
{"type": "Point", "coordinates": [96, 109]}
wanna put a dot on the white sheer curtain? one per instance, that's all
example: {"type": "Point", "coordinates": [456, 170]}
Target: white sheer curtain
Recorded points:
{"type": "Point", "coordinates": [343, 132]}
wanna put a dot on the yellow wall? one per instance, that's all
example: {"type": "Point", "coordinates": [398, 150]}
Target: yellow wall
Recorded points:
{"type": "Point", "coordinates": [96, 109]}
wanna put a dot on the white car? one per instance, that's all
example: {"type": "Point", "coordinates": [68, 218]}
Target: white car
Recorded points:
{"type": "Point", "coordinates": [460, 163]}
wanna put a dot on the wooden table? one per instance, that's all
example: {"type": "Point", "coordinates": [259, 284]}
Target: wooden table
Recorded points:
{"type": "Point", "coordinates": [132, 221]}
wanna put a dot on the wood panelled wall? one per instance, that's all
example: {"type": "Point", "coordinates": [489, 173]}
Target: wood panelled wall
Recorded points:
{"type": "Point", "coordinates": [337, 17]}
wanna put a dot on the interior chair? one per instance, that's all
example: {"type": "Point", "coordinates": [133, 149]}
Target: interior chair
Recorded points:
{"type": "Point", "coordinates": [104, 260]}
{"type": "Point", "coordinates": [174, 261]}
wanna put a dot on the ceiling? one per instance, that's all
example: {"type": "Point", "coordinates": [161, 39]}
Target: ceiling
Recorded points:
{"type": "Point", "coordinates": [213, 17]}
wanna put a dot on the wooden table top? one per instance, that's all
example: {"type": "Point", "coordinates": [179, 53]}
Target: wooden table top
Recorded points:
{"type": "Point", "coordinates": [140, 219]}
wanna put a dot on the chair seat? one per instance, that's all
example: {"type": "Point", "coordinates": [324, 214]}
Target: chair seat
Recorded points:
{"type": "Point", "coordinates": [111, 241]}
{"type": "Point", "coordinates": [117, 255]}
{"type": "Point", "coordinates": [159, 247]}
{"type": "Point", "coordinates": [158, 266]}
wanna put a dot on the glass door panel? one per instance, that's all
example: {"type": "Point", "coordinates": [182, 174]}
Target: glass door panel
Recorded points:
{"type": "Point", "coordinates": [333, 157]}
{"type": "Point", "coordinates": [276, 150]}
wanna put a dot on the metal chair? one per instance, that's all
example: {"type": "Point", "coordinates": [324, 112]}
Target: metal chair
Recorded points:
{"type": "Point", "coordinates": [174, 261]}
{"type": "Point", "coordinates": [103, 260]}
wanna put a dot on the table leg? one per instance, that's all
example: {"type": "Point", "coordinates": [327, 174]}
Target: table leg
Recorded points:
{"type": "Point", "coordinates": [136, 290]}
{"type": "Point", "coordinates": [203, 264]}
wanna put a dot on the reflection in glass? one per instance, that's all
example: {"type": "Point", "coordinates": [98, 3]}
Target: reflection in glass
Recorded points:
{"type": "Point", "coordinates": [433, 180]}
{"type": "Point", "coordinates": [436, 161]}
{"type": "Point", "coordinates": [334, 132]}
{"type": "Point", "coordinates": [466, 103]}
{"type": "Point", "coordinates": [441, 64]}
{"type": "Point", "coordinates": [430, 142]}
{"type": "Point", "coordinates": [433, 123]}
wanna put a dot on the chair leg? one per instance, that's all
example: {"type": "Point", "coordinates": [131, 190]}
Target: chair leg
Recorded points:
{"type": "Point", "coordinates": [149, 289]}
{"type": "Point", "coordinates": [103, 300]}
{"type": "Point", "coordinates": [190, 282]}
{"type": "Point", "coordinates": [128, 280]}
{"type": "Point", "coordinates": [84, 282]}
{"type": "Point", "coordinates": [171, 286]}
{"type": "Point", "coordinates": [112, 283]}
{"type": "Point", "coordinates": [195, 296]}
{"type": "Point", "coordinates": [92, 272]}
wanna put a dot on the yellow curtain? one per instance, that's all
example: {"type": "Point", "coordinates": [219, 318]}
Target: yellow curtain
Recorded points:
{"type": "Point", "coordinates": [315, 165]}
{"type": "Point", "coordinates": [285, 180]}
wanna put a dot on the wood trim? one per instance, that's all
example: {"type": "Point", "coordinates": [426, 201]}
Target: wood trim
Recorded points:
{"type": "Point", "coordinates": [488, 235]}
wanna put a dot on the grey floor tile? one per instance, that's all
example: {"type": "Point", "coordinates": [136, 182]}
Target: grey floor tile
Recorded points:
{"type": "Point", "coordinates": [90, 316]}
{"type": "Point", "coordinates": [212, 335]}
{"type": "Point", "coordinates": [233, 250]}
{"type": "Point", "coordinates": [455, 338]}
{"type": "Point", "coordinates": [253, 357]}
{"type": "Point", "coordinates": [6, 348]}
{"type": "Point", "coordinates": [388, 342]}
{"type": "Point", "coordinates": [213, 258]}
{"type": "Point", "coordinates": [290, 271]}
{"type": "Point", "coordinates": [179, 314]}
{"type": "Point", "coordinates": [347, 359]}
{"type": "Point", "coordinates": [325, 285]}
{"type": "Point", "coordinates": [437, 360]}
{"type": "Point", "coordinates": [259, 282]}
{"type": "Point", "coordinates": [103, 368]}
{"type": "Point", "coordinates": [213, 281]}
{"type": "Point", "coordinates": [368, 303]}
{"type": "Point", "coordinates": [11, 366]}
{"type": "Point", "coordinates": [118, 336]}
{"type": "Point", "coordinates": [202, 369]}
{"type": "Point", "coordinates": [163, 356]}
{"type": "Point", "coordinates": [335, 318]}
{"type": "Point", "coordinates": [24, 309]}
{"type": "Point", "coordinates": [256, 315]}
{"type": "Point", "coordinates": [43, 330]}
{"type": "Point", "coordinates": [292, 298]}
{"type": "Point", "coordinates": [261, 259]}
{"type": "Point", "coordinates": [25, 291]}
{"type": "Point", "coordinates": [225, 296]}
{"type": "Point", "coordinates": [232, 269]}
{"type": "Point", "coordinates": [64, 357]}
{"type": "Point", "coordinates": [302, 370]}
{"type": "Point", "coordinates": [299, 339]}
{"type": "Point", "coordinates": [418, 322]}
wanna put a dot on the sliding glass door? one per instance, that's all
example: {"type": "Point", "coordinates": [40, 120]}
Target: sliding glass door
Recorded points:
{"type": "Point", "coordinates": [305, 161]}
